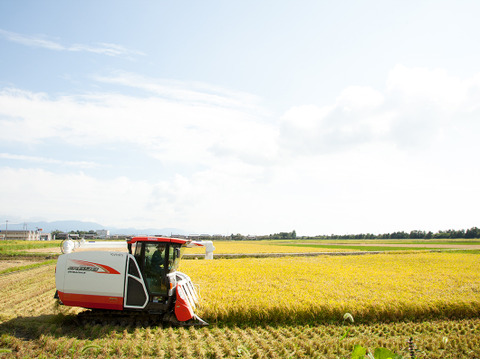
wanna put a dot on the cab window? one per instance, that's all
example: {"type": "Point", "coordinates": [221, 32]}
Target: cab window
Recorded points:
{"type": "Point", "coordinates": [174, 259]}
{"type": "Point", "coordinates": [155, 261]}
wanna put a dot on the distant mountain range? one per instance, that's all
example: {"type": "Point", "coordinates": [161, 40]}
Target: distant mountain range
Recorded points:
{"type": "Point", "coordinates": [74, 225]}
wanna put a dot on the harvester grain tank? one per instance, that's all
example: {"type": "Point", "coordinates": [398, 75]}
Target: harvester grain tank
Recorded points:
{"type": "Point", "coordinates": [143, 281]}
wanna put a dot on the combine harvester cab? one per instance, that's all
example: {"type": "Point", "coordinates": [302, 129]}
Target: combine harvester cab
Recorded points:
{"type": "Point", "coordinates": [143, 280]}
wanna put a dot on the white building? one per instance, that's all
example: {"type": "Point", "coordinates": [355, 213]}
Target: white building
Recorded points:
{"type": "Point", "coordinates": [103, 234]}
{"type": "Point", "coordinates": [24, 235]}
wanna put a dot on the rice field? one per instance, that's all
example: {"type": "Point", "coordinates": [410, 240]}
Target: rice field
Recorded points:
{"type": "Point", "coordinates": [259, 247]}
{"type": "Point", "coordinates": [318, 246]}
{"type": "Point", "coordinates": [289, 307]}
{"type": "Point", "coordinates": [390, 287]}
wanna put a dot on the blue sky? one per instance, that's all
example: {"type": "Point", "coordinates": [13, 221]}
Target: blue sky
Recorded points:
{"type": "Point", "coordinates": [251, 117]}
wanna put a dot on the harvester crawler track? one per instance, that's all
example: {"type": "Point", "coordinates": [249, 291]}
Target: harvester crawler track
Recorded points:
{"type": "Point", "coordinates": [132, 318]}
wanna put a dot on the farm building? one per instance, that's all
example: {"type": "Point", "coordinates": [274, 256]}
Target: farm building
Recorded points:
{"type": "Point", "coordinates": [24, 235]}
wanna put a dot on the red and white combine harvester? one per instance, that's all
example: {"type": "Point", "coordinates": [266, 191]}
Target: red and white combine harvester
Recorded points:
{"type": "Point", "coordinates": [141, 285]}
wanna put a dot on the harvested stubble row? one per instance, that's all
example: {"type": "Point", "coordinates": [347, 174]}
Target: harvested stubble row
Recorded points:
{"type": "Point", "coordinates": [28, 293]}
{"type": "Point", "coordinates": [434, 339]}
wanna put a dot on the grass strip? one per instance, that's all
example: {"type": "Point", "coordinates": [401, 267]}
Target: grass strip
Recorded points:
{"type": "Point", "coordinates": [12, 247]}
{"type": "Point", "coordinates": [362, 248]}
{"type": "Point", "coordinates": [462, 251]}
{"type": "Point", "coordinates": [437, 242]}
{"type": "Point", "coordinates": [27, 267]}
{"type": "Point", "coordinates": [388, 241]}
{"type": "Point", "coordinates": [27, 256]}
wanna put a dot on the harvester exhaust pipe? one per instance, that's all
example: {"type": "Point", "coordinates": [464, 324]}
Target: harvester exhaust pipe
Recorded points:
{"type": "Point", "coordinates": [67, 246]}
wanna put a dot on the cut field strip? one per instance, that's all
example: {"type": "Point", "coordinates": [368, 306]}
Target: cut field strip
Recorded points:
{"type": "Point", "coordinates": [276, 255]}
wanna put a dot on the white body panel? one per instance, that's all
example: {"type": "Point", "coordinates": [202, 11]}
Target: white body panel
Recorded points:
{"type": "Point", "coordinates": [99, 273]}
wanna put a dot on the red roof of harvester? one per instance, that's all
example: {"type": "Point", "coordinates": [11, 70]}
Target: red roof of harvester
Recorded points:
{"type": "Point", "coordinates": [157, 239]}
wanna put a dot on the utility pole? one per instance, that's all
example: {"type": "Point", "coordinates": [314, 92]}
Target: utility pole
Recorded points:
{"type": "Point", "coordinates": [6, 229]}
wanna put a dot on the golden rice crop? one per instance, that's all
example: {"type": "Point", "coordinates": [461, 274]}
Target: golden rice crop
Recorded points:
{"type": "Point", "coordinates": [372, 287]}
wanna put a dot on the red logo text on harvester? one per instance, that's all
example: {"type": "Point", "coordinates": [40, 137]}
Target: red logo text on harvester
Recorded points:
{"type": "Point", "coordinates": [82, 267]}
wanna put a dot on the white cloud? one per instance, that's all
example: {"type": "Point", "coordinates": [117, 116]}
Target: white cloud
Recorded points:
{"type": "Point", "coordinates": [187, 92]}
{"type": "Point", "coordinates": [169, 130]}
{"type": "Point", "coordinates": [372, 161]}
{"type": "Point", "coordinates": [32, 41]}
{"type": "Point", "coordinates": [374, 189]}
{"type": "Point", "coordinates": [357, 98]}
{"type": "Point", "coordinates": [417, 106]}
{"type": "Point", "coordinates": [36, 192]}
{"type": "Point", "coordinates": [42, 41]}
{"type": "Point", "coordinates": [209, 200]}
{"type": "Point", "coordinates": [104, 49]}
{"type": "Point", "coordinates": [44, 160]}
{"type": "Point", "coordinates": [428, 87]}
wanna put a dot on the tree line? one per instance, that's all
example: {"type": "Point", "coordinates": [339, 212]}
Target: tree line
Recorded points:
{"type": "Point", "coordinates": [472, 233]}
